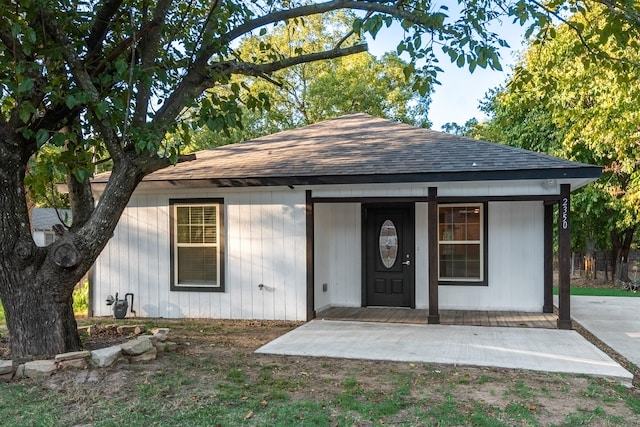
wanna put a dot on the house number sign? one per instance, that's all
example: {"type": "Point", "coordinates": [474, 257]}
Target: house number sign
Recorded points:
{"type": "Point", "coordinates": [565, 213]}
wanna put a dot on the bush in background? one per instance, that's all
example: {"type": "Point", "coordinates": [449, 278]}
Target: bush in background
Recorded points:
{"type": "Point", "coordinates": [81, 298]}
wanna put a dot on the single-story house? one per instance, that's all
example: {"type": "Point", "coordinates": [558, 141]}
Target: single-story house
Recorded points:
{"type": "Point", "coordinates": [356, 211]}
{"type": "Point", "coordinates": [42, 222]}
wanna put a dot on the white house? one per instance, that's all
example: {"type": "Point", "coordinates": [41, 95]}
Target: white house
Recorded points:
{"type": "Point", "coordinates": [354, 212]}
{"type": "Point", "coordinates": [42, 222]}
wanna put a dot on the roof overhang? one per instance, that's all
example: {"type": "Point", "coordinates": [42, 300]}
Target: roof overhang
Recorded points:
{"type": "Point", "coordinates": [577, 177]}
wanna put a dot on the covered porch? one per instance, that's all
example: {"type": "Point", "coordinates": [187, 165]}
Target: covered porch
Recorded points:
{"type": "Point", "coordinates": [516, 262]}
{"type": "Point", "coordinates": [518, 319]}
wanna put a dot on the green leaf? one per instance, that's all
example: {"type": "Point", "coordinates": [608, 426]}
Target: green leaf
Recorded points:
{"type": "Point", "coordinates": [101, 108]}
{"type": "Point", "coordinates": [25, 111]}
{"type": "Point", "coordinates": [42, 136]}
{"type": "Point", "coordinates": [26, 85]}
{"type": "Point", "coordinates": [59, 139]}
{"type": "Point", "coordinates": [121, 66]}
{"type": "Point", "coordinates": [70, 101]}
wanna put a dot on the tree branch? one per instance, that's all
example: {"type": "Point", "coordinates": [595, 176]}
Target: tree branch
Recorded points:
{"type": "Point", "coordinates": [149, 45]}
{"type": "Point", "coordinates": [250, 69]}
{"type": "Point", "coordinates": [83, 80]}
{"type": "Point", "coordinates": [117, 51]}
{"type": "Point", "coordinates": [318, 8]}
{"type": "Point", "coordinates": [11, 44]}
{"type": "Point", "coordinates": [101, 25]}
{"type": "Point", "coordinates": [198, 80]}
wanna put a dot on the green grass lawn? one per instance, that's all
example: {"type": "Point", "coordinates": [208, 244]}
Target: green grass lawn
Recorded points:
{"type": "Point", "coordinates": [600, 292]}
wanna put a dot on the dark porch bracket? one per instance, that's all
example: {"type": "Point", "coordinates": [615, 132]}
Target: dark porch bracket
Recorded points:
{"type": "Point", "coordinates": [564, 255]}
{"type": "Point", "coordinates": [432, 226]}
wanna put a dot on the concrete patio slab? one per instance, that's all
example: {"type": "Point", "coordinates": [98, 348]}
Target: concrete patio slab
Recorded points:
{"type": "Point", "coordinates": [519, 348]}
{"type": "Point", "coordinates": [613, 320]}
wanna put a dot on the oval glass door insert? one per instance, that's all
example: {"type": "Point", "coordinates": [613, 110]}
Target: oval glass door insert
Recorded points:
{"type": "Point", "coordinates": [388, 243]}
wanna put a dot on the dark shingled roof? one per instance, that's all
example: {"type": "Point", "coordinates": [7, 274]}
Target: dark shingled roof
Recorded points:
{"type": "Point", "coordinates": [359, 148]}
{"type": "Point", "coordinates": [43, 219]}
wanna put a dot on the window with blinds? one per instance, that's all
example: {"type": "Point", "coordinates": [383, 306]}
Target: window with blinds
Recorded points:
{"type": "Point", "coordinates": [460, 243]}
{"type": "Point", "coordinates": [197, 246]}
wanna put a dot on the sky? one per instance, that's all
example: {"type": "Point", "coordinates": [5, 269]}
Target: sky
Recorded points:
{"type": "Point", "coordinates": [458, 97]}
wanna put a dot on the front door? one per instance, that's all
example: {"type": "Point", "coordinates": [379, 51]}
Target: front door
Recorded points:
{"type": "Point", "coordinates": [389, 256]}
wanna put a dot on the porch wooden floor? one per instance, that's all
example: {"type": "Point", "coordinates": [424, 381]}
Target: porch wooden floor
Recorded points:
{"type": "Point", "coordinates": [447, 317]}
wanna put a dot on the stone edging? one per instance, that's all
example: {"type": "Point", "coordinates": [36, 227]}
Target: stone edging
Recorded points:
{"type": "Point", "coordinates": [138, 349]}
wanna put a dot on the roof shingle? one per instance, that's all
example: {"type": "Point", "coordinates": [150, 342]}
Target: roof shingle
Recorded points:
{"type": "Point", "coordinates": [360, 148]}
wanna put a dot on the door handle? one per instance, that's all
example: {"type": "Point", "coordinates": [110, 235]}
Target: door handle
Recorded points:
{"type": "Point", "coordinates": [406, 262]}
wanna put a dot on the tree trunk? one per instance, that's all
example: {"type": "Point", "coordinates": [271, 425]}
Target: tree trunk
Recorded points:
{"type": "Point", "coordinates": [40, 318]}
{"type": "Point", "coordinates": [36, 284]}
{"type": "Point", "coordinates": [620, 247]}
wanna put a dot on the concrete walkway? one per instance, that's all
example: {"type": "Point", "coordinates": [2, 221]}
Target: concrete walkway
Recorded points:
{"type": "Point", "coordinates": [520, 348]}
{"type": "Point", "coordinates": [613, 320]}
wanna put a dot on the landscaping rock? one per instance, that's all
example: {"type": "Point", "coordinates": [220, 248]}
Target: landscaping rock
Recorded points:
{"type": "Point", "coordinates": [105, 356]}
{"type": "Point", "coordinates": [166, 346]}
{"type": "Point", "coordinates": [19, 373]}
{"type": "Point", "coordinates": [74, 363]}
{"type": "Point", "coordinates": [137, 346]}
{"type": "Point", "coordinates": [74, 355]}
{"type": "Point", "coordinates": [161, 334]}
{"type": "Point", "coordinates": [147, 355]}
{"type": "Point", "coordinates": [6, 367]}
{"type": "Point", "coordinates": [5, 378]}
{"type": "Point", "coordinates": [39, 368]}
{"type": "Point", "coordinates": [75, 359]}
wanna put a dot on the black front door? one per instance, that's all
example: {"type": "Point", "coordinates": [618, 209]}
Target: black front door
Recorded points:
{"type": "Point", "coordinates": [388, 256]}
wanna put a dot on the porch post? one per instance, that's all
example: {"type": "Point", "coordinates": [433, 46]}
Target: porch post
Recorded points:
{"type": "Point", "coordinates": [432, 234]}
{"type": "Point", "coordinates": [564, 257]}
{"type": "Point", "coordinates": [311, 313]}
{"type": "Point", "coordinates": [548, 258]}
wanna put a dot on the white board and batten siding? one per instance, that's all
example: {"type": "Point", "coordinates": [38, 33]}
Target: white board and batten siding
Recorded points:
{"type": "Point", "coordinates": [338, 255]}
{"type": "Point", "coordinates": [264, 243]}
{"type": "Point", "coordinates": [515, 259]}
{"type": "Point", "coordinates": [516, 262]}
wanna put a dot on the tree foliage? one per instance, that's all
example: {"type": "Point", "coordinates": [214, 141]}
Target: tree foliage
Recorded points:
{"type": "Point", "coordinates": [568, 99]}
{"type": "Point", "coordinates": [311, 92]}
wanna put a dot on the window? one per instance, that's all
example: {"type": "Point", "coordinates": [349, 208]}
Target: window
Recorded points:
{"type": "Point", "coordinates": [461, 243]}
{"type": "Point", "coordinates": [49, 237]}
{"type": "Point", "coordinates": [196, 245]}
